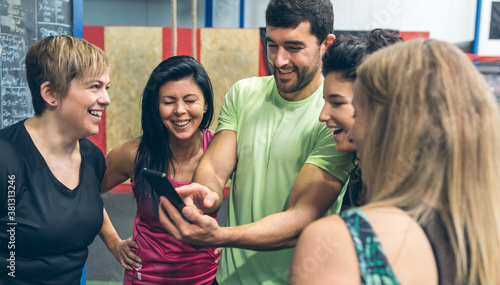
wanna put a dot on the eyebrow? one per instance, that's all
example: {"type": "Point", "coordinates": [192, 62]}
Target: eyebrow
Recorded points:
{"type": "Point", "coordinates": [91, 81]}
{"type": "Point", "coordinates": [298, 43]}
{"type": "Point", "coordinates": [172, 96]}
{"type": "Point", "coordinates": [335, 95]}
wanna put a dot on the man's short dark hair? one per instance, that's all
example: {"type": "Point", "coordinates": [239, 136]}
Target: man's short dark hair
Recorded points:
{"type": "Point", "coordinates": [290, 13]}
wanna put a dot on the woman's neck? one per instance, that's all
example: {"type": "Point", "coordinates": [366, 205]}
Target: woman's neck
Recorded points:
{"type": "Point", "coordinates": [61, 153]}
{"type": "Point", "coordinates": [186, 150]}
{"type": "Point", "coordinates": [47, 137]}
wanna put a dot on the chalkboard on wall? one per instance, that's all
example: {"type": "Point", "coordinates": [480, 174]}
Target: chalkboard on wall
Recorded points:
{"type": "Point", "coordinates": [23, 23]}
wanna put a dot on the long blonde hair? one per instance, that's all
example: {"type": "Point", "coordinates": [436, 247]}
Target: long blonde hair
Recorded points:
{"type": "Point", "coordinates": [433, 143]}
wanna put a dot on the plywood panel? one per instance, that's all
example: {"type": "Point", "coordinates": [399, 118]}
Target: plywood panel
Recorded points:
{"type": "Point", "coordinates": [228, 55]}
{"type": "Point", "coordinates": [134, 53]}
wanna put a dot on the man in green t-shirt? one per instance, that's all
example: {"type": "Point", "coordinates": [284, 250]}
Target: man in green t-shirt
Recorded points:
{"type": "Point", "coordinates": [284, 169]}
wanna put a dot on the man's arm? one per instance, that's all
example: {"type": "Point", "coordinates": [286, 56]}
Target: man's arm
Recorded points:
{"type": "Point", "coordinates": [313, 192]}
{"type": "Point", "coordinates": [213, 171]}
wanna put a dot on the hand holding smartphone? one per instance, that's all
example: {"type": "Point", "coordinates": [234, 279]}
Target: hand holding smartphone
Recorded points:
{"type": "Point", "coordinates": [161, 185]}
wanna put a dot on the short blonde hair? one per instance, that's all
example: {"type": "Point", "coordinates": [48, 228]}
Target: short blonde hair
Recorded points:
{"type": "Point", "coordinates": [60, 59]}
{"type": "Point", "coordinates": [433, 143]}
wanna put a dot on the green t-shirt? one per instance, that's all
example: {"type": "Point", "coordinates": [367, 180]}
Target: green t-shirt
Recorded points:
{"type": "Point", "coordinates": [275, 137]}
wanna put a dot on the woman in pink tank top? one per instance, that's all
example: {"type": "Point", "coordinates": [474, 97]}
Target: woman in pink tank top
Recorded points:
{"type": "Point", "coordinates": [177, 109]}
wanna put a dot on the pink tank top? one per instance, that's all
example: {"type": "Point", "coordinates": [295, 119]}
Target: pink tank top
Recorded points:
{"type": "Point", "coordinates": [166, 260]}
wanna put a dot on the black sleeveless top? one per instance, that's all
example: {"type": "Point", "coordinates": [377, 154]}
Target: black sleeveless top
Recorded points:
{"type": "Point", "coordinates": [441, 246]}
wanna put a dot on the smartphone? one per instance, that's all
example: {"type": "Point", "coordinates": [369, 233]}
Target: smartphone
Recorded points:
{"type": "Point", "coordinates": [161, 185]}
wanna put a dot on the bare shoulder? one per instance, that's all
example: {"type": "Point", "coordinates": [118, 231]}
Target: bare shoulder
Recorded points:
{"type": "Point", "coordinates": [124, 152]}
{"type": "Point", "coordinates": [330, 225]}
{"type": "Point", "coordinates": [325, 254]}
{"type": "Point", "coordinates": [120, 164]}
{"type": "Point", "coordinates": [405, 245]}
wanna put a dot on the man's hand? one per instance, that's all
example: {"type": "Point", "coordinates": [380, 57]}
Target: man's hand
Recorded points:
{"type": "Point", "coordinates": [203, 229]}
{"type": "Point", "coordinates": [199, 195]}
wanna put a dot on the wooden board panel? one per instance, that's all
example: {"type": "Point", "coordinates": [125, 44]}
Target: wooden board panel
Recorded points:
{"type": "Point", "coordinates": [228, 55]}
{"type": "Point", "coordinates": [134, 52]}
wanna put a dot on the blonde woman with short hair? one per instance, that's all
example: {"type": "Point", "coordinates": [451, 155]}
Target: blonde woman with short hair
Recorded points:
{"type": "Point", "coordinates": [50, 174]}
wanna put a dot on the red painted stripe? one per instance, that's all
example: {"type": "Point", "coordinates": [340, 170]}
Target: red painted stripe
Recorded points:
{"type": "Point", "coordinates": [414, 35]}
{"type": "Point", "coordinates": [167, 42]}
{"type": "Point", "coordinates": [99, 139]}
{"type": "Point", "coordinates": [198, 44]}
{"type": "Point", "coordinates": [226, 191]}
{"type": "Point", "coordinates": [262, 61]}
{"type": "Point", "coordinates": [183, 42]}
{"type": "Point", "coordinates": [95, 35]}
{"type": "Point", "coordinates": [475, 57]}
{"type": "Point", "coordinates": [122, 188]}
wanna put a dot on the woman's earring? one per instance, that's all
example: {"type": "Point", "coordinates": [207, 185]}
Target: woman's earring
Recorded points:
{"type": "Point", "coordinates": [54, 102]}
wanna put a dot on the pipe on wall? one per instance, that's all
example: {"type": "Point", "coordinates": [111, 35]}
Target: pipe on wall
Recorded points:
{"type": "Point", "coordinates": [475, 44]}
{"type": "Point", "coordinates": [209, 13]}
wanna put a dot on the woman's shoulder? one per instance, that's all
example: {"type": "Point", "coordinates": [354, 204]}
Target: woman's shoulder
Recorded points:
{"type": "Point", "coordinates": [391, 223]}
{"type": "Point", "coordinates": [405, 244]}
{"type": "Point", "coordinates": [124, 153]}
{"type": "Point", "coordinates": [328, 225]}
{"type": "Point", "coordinates": [325, 253]}
{"type": "Point", "coordinates": [127, 148]}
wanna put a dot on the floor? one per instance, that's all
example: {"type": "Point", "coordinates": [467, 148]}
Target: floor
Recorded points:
{"type": "Point", "coordinates": [102, 268]}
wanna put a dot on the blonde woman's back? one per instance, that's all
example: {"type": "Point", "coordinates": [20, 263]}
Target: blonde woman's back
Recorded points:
{"type": "Point", "coordinates": [406, 245]}
{"type": "Point", "coordinates": [326, 254]}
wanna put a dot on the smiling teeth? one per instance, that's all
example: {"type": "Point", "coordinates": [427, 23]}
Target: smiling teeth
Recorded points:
{"type": "Point", "coordinates": [335, 129]}
{"type": "Point", "coordinates": [181, 124]}
{"type": "Point", "coordinates": [285, 71]}
{"type": "Point", "coordinates": [96, 113]}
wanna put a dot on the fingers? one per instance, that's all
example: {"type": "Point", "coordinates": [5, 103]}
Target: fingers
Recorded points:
{"type": "Point", "coordinates": [133, 258]}
{"type": "Point", "coordinates": [132, 243]}
{"type": "Point", "coordinates": [199, 194]}
{"type": "Point", "coordinates": [125, 264]}
{"type": "Point", "coordinates": [218, 252]}
{"type": "Point", "coordinates": [200, 230]}
{"type": "Point", "coordinates": [127, 257]}
{"type": "Point", "coordinates": [188, 201]}
{"type": "Point", "coordinates": [210, 199]}
{"type": "Point", "coordinates": [174, 222]}
{"type": "Point", "coordinates": [163, 211]}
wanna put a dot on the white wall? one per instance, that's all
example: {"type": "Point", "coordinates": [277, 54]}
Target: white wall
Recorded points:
{"type": "Point", "coordinates": [449, 20]}
{"type": "Point", "coordinates": [140, 13]}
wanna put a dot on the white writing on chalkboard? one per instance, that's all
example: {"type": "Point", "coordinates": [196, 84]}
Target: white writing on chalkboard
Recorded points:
{"type": "Point", "coordinates": [23, 23]}
{"type": "Point", "coordinates": [52, 32]}
{"type": "Point", "coordinates": [12, 49]}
